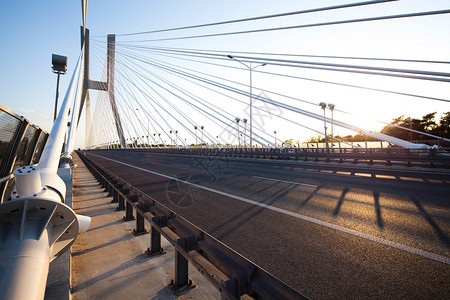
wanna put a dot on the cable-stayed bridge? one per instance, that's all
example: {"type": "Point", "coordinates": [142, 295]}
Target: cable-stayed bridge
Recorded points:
{"type": "Point", "coordinates": [206, 147]}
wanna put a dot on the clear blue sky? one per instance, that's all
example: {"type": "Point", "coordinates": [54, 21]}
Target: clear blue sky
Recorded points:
{"type": "Point", "coordinates": [32, 30]}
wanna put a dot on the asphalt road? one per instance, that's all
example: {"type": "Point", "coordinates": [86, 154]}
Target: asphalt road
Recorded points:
{"type": "Point", "coordinates": [329, 231]}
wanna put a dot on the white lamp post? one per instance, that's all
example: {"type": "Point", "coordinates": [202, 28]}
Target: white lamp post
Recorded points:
{"type": "Point", "coordinates": [250, 68]}
{"type": "Point", "coordinates": [239, 139]}
{"type": "Point", "coordinates": [331, 107]}
{"type": "Point", "coordinates": [323, 105]}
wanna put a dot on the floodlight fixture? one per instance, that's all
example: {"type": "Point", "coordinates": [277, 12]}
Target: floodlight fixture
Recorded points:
{"type": "Point", "coordinates": [59, 66]}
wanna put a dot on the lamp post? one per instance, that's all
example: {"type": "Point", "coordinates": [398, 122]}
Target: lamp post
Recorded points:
{"type": "Point", "coordinates": [59, 66]}
{"type": "Point", "coordinates": [275, 133]}
{"type": "Point", "coordinates": [250, 68]}
{"type": "Point", "coordinates": [195, 127]}
{"type": "Point", "coordinates": [239, 139]}
{"type": "Point", "coordinates": [202, 127]}
{"type": "Point", "coordinates": [176, 137]}
{"type": "Point", "coordinates": [409, 120]}
{"type": "Point", "coordinates": [245, 132]}
{"type": "Point", "coordinates": [331, 107]}
{"type": "Point", "coordinates": [323, 105]}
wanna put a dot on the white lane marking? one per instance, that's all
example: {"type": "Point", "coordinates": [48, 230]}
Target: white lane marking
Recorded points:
{"type": "Point", "coordinates": [412, 250]}
{"type": "Point", "coordinates": [285, 181]}
{"type": "Point", "coordinates": [181, 165]}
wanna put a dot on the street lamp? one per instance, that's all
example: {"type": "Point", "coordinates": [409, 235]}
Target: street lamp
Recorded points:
{"type": "Point", "coordinates": [239, 139]}
{"type": "Point", "coordinates": [195, 127]}
{"type": "Point", "coordinates": [275, 133]}
{"type": "Point", "coordinates": [245, 132]}
{"type": "Point", "coordinates": [250, 68]}
{"type": "Point", "coordinates": [409, 120]}
{"type": "Point", "coordinates": [202, 127]}
{"type": "Point", "coordinates": [59, 66]}
{"type": "Point", "coordinates": [323, 105]}
{"type": "Point", "coordinates": [331, 107]}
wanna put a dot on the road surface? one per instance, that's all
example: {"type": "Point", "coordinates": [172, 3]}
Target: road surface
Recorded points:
{"type": "Point", "coordinates": [327, 230]}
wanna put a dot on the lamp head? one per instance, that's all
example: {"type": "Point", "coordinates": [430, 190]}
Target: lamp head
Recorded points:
{"type": "Point", "coordinates": [59, 63]}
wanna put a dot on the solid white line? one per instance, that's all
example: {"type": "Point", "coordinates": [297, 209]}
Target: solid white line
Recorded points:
{"type": "Point", "coordinates": [285, 181]}
{"type": "Point", "coordinates": [412, 250]}
{"type": "Point", "coordinates": [180, 165]}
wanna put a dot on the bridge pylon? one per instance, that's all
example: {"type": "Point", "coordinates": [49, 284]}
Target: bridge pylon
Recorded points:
{"type": "Point", "coordinates": [107, 86]}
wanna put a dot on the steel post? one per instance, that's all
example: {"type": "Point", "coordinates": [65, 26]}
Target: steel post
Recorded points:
{"type": "Point", "coordinates": [140, 224]}
{"type": "Point", "coordinates": [25, 261]}
{"type": "Point", "coordinates": [129, 209]}
{"type": "Point", "coordinates": [155, 242]}
{"type": "Point", "coordinates": [181, 265]}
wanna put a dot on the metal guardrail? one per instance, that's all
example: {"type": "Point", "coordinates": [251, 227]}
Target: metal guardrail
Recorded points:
{"type": "Point", "coordinates": [21, 144]}
{"type": "Point", "coordinates": [385, 156]}
{"type": "Point", "coordinates": [231, 273]}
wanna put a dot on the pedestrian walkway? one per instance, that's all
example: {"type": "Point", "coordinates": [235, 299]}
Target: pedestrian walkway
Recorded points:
{"type": "Point", "coordinates": [108, 262]}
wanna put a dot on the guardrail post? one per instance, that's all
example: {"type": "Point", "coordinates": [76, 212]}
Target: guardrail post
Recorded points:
{"type": "Point", "coordinates": [155, 237]}
{"type": "Point", "coordinates": [116, 188]}
{"type": "Point", "coordinates": [181, 263]}
{"type": "Point", "coordinates": [112, 182]}
{"type": "Point", "coordinates": [129, 208]}
{"type": "Point", "coordinates": [140, 226]}
{"type": "Point", "coordinates": [121, 200]}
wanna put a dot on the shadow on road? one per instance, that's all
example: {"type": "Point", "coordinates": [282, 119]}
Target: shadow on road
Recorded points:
{"type": "Point", "coordinates": [440, 234]}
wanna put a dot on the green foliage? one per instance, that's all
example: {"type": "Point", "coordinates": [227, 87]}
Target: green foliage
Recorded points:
{"type": "Point", "coordinates": [426, 124]}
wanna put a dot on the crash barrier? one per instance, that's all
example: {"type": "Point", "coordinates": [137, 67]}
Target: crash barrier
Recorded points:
{"type": "Point", "coordinates": [231, 273]}
{"type": "Point", "coordinates": [21, 144]}
{"type": "Point", "coordinates": [432, 158]}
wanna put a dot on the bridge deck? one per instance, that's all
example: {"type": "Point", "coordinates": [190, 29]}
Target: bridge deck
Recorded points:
{"type": "Point", "coordinates": [108, 262]}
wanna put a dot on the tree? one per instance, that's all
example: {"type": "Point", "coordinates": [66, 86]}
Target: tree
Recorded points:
{"type": "Point", "coordinates": [427, 124]}
{"type": "Point", "coordinates": [443, 129]}
{"type": "Point", "coordinates": [290, 142]}
{"type": "Point", "coordinates": [315, 139]}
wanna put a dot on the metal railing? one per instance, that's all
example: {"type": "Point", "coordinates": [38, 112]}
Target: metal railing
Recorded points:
{"type": "Point", "coordinates": [231, 273]}
{"type": "Point", "coordinates": [381, 156]}
{"type": "Point", "coordinates": [21, 144]}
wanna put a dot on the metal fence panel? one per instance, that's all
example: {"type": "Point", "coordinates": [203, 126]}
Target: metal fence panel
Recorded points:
{"type": "Point", "coordinates": [21, 143]}
{"type": "Point", "coordinates": [8, 128]}
{"type": "Point", "coordinates": [39, 147]}
{"type": "Point", "coordinates": [26, 147]}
